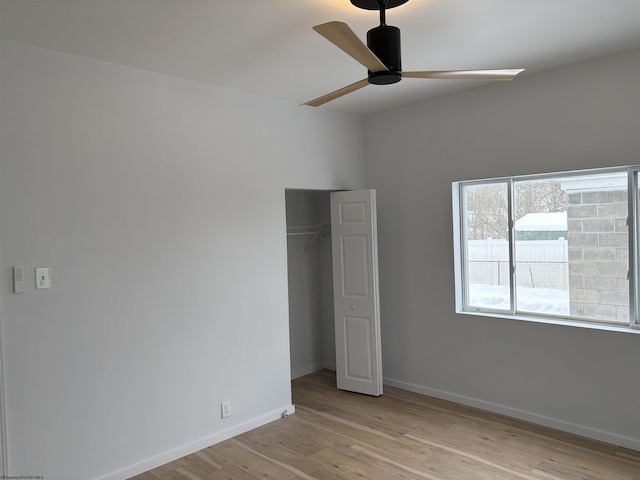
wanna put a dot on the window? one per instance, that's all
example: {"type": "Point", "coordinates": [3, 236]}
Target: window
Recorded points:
{"type": "Point", "coordinates": [556, 248]}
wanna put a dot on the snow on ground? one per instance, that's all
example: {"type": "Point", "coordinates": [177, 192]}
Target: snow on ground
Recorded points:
{"type": "Point", "coordinates": [556, 221]}
{"type": "Point", "coordinates": [534, 300]}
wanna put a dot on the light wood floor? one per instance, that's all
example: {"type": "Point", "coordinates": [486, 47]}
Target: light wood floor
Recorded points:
{"type": "Point", "coordinates": [401, 435]}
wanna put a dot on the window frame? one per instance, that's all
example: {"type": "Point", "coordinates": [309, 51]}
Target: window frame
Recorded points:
{"type": "Point", "coordinates": [464, 253]}
{"type": "Point", "coordinates": [461, 250]}
{"type": "Point", "coordinates": [634, 241]}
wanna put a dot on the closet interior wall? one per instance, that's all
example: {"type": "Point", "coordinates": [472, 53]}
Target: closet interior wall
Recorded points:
{"type": "Point", "coordinates": [311, 325]}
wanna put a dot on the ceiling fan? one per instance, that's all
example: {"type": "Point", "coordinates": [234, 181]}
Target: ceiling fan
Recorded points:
{"type": "Point", "coordinates": [381, 55]}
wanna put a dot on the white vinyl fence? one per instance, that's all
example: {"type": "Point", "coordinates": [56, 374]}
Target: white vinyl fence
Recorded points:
{"type": "Point", "coordinates": [539, 263]}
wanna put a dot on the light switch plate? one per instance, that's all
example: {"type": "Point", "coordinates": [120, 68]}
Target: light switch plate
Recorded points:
{"type": "Point", "coordinates": [43, 278]}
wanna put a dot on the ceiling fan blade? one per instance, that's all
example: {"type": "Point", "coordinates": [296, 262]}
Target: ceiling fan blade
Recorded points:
{"type": "Point", "coordinates": [504, 75]}
{"type": "Point", "coordinates": [338, 93]}
{"type": "Point", "coordinates": [341, 35]}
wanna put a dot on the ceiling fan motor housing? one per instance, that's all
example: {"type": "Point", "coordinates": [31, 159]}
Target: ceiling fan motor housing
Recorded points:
{"type": "Point", "coordinates": [384, 42]}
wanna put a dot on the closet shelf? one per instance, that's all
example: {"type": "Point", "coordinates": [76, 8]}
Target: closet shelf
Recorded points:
{"type": "Point", "coordinates": [322, 231]}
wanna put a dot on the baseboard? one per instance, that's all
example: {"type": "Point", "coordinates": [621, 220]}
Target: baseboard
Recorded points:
{"type": "Point", "coordinates": [306, 371]}
{"type": "Point", "coordinates": [581, 430]}
{"type": "Point", "coordinates": [190, 448]}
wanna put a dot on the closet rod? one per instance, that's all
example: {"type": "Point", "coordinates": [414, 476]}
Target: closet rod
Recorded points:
{"type": "Point", "coordinates": [307, 229]}
{"type": "Point", "coordinates": [315, 230]}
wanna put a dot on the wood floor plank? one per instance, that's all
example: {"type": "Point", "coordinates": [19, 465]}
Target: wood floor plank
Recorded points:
{"type": "Point", "coordinates": [231, 451]}
{"type": "Point", "coordinates": [231, 472]}
{"type": "Point", "coordinates": [336, 435]}
{"type": "Point", "coordinates": [552, 469]}
{"type": "Point", "coordinates": [352, 467]}
{"type": "Point", "coordinates": [549, 448]}
{"type": "Point", "coordinates": [628, 454]}
{"type": "Point", "coordinates": [194, 474]}
{"type": "Point", "coordinates": [146, 476]}
{"type": "Point", "coordinates": [355, 409]}
{"type": "Point", "coordinates": [352, 433]}
{"type": "Point", "coordinates": [172, 475]}
{"type": "Point", "coordinates": [393, 462]}
{"type": "Point", "coordinates": [302, 437]}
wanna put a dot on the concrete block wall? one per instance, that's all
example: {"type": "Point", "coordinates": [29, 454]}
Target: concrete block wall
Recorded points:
{"type": "Point", "coordinates": [598, 255]}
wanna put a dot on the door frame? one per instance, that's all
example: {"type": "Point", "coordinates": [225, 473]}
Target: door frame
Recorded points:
{"type": "Point", "coordinates": [4, 467]}
{"type": "Point", "coordinates": [376, 280]}
{"type": "Point", "coordinates": [330, 330]}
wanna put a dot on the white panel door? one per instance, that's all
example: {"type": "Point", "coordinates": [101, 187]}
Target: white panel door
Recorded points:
{"type": "Point", "coordinates": [355, 288]}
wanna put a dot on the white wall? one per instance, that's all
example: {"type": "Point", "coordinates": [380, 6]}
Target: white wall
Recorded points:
{"type": "Point", "coordinates": [159, 205]}
{"type": "Point", "coordinates": [581, 116]}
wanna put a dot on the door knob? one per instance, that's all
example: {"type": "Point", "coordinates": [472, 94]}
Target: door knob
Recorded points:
{"type": "Point", "coordinates": [353, 307]}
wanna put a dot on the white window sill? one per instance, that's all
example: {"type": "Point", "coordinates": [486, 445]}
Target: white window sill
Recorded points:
{"type": "Point", "coordinates": [552, 321]}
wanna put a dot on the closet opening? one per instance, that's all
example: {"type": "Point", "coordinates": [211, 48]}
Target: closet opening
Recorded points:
{"type": "Point", "coordinates": [310, 278]}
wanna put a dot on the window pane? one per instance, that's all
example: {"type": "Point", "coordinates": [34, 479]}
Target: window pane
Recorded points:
{"type": "Point", "coordinates": [571, 244]}
{"type": "Point", "coordinates": [487, 248]}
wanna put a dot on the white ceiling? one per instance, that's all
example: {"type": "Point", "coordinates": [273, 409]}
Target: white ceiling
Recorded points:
{"type": "Point", "coordinates": [268, 47]}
